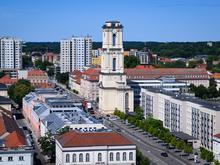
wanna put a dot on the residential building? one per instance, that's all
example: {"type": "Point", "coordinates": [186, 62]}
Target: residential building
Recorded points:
{"type": "Point", "coordinates": [10, 53]}
{"type": "Point", "coordinates": [96, 61]}
{"type": "Point", "coordinates": [7, 80]}
{"type": "Point", "coordinates": [97, 52]}
{"type": "Point", "coordinates": [144, 56]}
{"type": "Point", "coordinates": [50, 57]}
{"type": "Point", "coordinates": [75, 80]}
{"type": "Point", "coordinates": [38, 78]}
{"type": "Point", "coordinates": [183, 113]}
{"type": "Point", "coordinates": [216, 146]}
{"type": "Point", "coordinates": [89, 87]}
{"type": "Point", "coordinates": [15, 148]}
{"type": "Point", "coordinates": [94, 148]}
{"type": "Point", "coordinates": [75, 53]}
{"type": "Point", "coordinates": [36, 56]}
{"type": "Point", "coordinates": [3, 90]}
{"type": "Point", "coordinates": [112, 80]}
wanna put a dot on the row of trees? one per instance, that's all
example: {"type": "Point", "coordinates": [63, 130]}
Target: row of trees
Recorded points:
{"type": "Point", "coordinates": [131, 61]}
{"type": "Point", "coordinates": [206, 92]}
{"type": "Point", "coordinates": [63, 78]}
{"type": "Point", "coordinates": [154, 127]}
{"type": "Point", "coordinates": [164, 49]}
{"type": "Point", "coordinates": [206, 154]}
{"type": "Point", "coordinates": [141, 159]}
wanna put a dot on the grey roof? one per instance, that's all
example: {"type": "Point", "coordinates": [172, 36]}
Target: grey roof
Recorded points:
{"type": "Point", "coordinates": [3, 87]}
{"type": "Point", "coordinates": [54, 123]}
{"type": "Point", "coordinates": [45, 91]}
{"type": "Point", "coordinates": [40, 108]}
{"type": "Point", "coordinates": [204, 103]}
{"type": "Point", "coordinates": [183, 136]}
{"type": "Point", "coordinates": [4, 100]}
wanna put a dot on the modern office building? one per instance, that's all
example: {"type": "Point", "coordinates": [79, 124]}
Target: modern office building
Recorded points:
{"type": "Point", "coordinates": [183, 113]}
{"type": "Point", "coordinates": [112, 79]}
{"type": "Point", "coordinates": [10, 53]}
{"type": "Point", "coordinates": [75, 53]}
{"type": "Point", "coordinates": [90, 148]}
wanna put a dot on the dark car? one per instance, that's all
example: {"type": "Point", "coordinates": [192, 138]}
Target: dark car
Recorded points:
{"type": "Point", "coordinates": [164, 154]}
{"type": "Point", "coordinates": [25, 128]}
{"type": "Point", "coordinates": [118, 130]}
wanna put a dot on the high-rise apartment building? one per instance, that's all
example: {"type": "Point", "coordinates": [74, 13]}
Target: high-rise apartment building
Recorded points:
{"type": "Point", "coordinates": [75, 53]}
{"type": "Point", "coordinates": [10, 53]}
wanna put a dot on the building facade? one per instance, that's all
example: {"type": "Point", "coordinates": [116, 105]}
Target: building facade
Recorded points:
{"type": "Point", "coordinates": [10, 53]}
{"type": "Point", "coordinates": [98, 148]}
{"type": "Point", "coordinates": [114, 93]}
{"type": "Point", "coordinates": [183, 113]}
{"type": "Point", "coordinates": [75, 53]}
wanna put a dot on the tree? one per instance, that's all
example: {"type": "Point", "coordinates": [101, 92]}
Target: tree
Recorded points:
{"type": "Point", "coordinates": [18, 90]}
{"type": "Point", "coordinates": [201, 92]}
{"type": "Point", "coordinates": [139, 113]}
{"type": "Point", "coordinates": [173, 141]}
{"type": "Point", "coordinates": [216, 162]}
{"type": "Point", "coordinates": [26, 61]}
{"type": "Point", "coordinates": [188, 149]}
{"type": "Point", "coordinates": [64, 130]}
{"type": "Point", "coordinates": [131, 61]}
{"type": "Point", "coordinates": [42, 65]}
{"type": "Point", "coordinates": [2, 74]}
{"type": "Point", "coordinates": [140, 159]}
{"type": "Point", "coordinates": [62, 77]}
{"type": "Point", "coordinates": [47, 145]}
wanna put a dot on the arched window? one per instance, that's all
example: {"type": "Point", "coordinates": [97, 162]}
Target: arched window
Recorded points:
{"type": "Point", "coordinates": [87, 157]}
{"type": "Point", "coordinates": [74, 157]}
{"type": "Point", "coordinates": [111, 157]}
{"type": "Point", "coordinates": [131, 156]}
{"type": "Point", "coordinates": [99, 157]}
{"type": "Point", "coordinates": [114, 39]}
{"type": "Point", "coordinates": [81, 157]}
{"type": "Point", "coordinates": [126, 102]}
{"type": "Point", "coordinates": [124, 156]}
{"type": "Point", "coordinates": [67, 158]}
{"type": "Point", "coordinates": [118, 156]}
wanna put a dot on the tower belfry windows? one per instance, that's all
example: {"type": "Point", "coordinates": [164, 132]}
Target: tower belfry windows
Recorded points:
{"type": "Point", "coordinates": [114, 64]}
{"type": "Point", "coordinates": [114, 39]}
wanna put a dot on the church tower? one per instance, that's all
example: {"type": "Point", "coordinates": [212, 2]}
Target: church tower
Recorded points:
{"type": "Point", "coordinates": [113, 90]}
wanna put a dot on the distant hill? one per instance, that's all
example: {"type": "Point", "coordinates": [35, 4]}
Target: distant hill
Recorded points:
{"type": "Point", "coordinates": [165, 49]}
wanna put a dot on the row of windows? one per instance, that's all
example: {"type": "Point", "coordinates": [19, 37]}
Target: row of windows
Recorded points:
{"type": "Point", "coordinates": [99, 158]}
{"type": "Point", "coordinates": [10, 158]}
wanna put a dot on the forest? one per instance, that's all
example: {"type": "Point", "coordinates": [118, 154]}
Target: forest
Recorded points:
{"type": "Point", "coordinates": [162, 49]}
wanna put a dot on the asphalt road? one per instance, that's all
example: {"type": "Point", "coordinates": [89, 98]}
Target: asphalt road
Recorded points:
{"type": "Point", "coordinates": [148, 147]}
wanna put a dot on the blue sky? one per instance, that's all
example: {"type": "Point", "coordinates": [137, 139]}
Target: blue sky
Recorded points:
{"type": "Point", "coordinates": [143, 20]}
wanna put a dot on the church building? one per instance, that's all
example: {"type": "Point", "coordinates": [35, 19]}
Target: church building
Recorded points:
{"type": "Point", "coordinates": [114, 93]}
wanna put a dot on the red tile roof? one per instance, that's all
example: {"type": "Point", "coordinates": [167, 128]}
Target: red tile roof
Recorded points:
{"type": "Point", "coordinates": [91, 74]}
{"type": "Point", "coordinates": [84, 139]}
{"type": "Point", "coordinates": [76, 74]}
{"type": "Point", "coordinates": [14, 140]}
{"type": "Point", "coordinates": [217, 135]}
{"type": "Point", "coordinates": [216, 76]}
{"type": "Point", "coordinates": [7, 80]}
{"type": "Point", "coordinates": [36, 73]}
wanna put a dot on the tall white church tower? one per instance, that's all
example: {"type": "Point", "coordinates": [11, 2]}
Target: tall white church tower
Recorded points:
{"type": "Point", "coordinates": [113, 90]}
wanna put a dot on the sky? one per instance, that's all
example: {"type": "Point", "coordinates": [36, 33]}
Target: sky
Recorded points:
{"type": "Point", "coordinates": [143, 20]}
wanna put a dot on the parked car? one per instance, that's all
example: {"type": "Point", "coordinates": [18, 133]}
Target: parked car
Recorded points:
{"type": "Point", "coordinates": [177, 150]}
{"type": "Point", "coordinates": [118, 130]}
{"type": "Point", "coordinates": [164, 154]}
{"type": "Point", "coordinates": [184, 154]}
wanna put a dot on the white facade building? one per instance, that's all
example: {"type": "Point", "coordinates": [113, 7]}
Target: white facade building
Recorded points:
{"type": "Point", "coordinates": [113, 89]}
{"type": "Point", "coordinates": [75, 53]}
{"type": "Point", "coordinates": [10, 53]}
{"type": "Point", "coordinates": [216, 146]}
{"type": "Point", "coordinates": [94, 148]}
{"type": "Point", "coordinates": [182, 113]}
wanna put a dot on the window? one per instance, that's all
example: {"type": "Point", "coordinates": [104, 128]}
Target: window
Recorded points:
{"type": "Point", "coordinates": [99, 157]}
{"type": "Point", "coordinates": [21, 158]}
{"type": "Point", "coordinates": [114, 39]}
{"type": "Point", "coordinates": [111, 157]}
{"type": "Point", "coordinates": [10, 158]}
{"type": "Point", "coordinates": [81, 157]}
{"type": "Point", "coordinates": [0, 159]}
{"type": "Point", "coordinates": [114, 64]}
{"type": "Point", "coordinates": [74, 157]}
{"type": "Point", "coordinates": [124, 156]}
{"type": "Point", "coordinates": [118, 156]}
{"type": "Point", "coordinates": [67, 158]}
{"type": "Point", "coordinates": [131, 156]}
{"type": "Point", "coordinates": [87, 157]}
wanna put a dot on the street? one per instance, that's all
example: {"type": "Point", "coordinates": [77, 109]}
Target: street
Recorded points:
{"type": "Point", "coordinates": [149, 147]}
